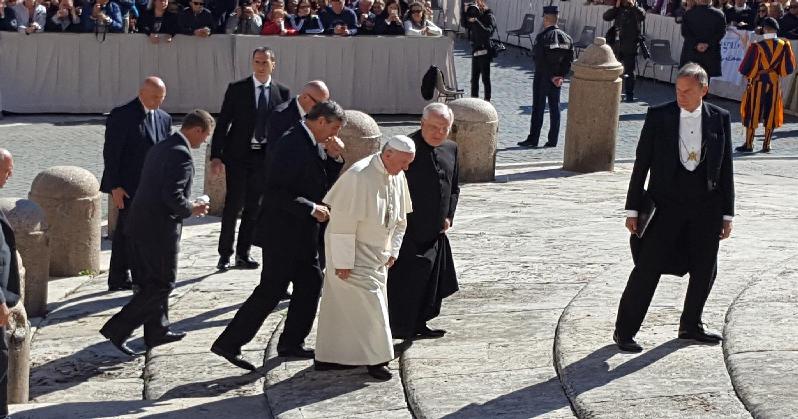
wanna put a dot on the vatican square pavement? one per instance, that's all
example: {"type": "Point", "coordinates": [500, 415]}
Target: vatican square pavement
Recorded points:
{"type": "Point", "coordinates": [542, 258]}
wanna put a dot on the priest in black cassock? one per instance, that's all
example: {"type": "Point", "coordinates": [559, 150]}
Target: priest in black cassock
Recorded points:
{"type": "Point", "coordinates": [423, 274]}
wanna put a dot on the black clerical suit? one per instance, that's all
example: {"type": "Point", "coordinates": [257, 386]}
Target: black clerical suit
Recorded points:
{"type": "Point", "coordinates": [129, 135]}
{"type": "Point", "coordinates": [289, 235]}
{"type": "Point", "coordinates": [241, 120]}
{"type": "Point", "coordinates": [154, 226]}
{"type": "Point", "coordinates": [684, 233]}
{"type": "Point", "coordinates": [424, 274]}
{"type": "Point", "coordinates": [9, 294]}
{"type": "Point", "coordinates": [703, 24]}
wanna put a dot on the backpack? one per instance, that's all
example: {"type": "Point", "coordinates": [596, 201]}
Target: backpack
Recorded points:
{"type": "Point", "coordinates": [428, 83]}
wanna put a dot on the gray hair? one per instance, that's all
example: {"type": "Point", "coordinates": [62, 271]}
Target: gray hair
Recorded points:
{"type": "Point", "coordinates": [329, 110]}
{"type": "Point", "coordinates": [695, 72]}
{"type": "Point", "coordinates": [199, 118]}
{"type": "Point", "coordinates": [439, 108]}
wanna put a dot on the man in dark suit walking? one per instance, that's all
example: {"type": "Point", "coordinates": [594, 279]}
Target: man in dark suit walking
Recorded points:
{"type": "Point", "coordinates": [306, 162]}
{"type": "Point", "coordinates": [292, 112]}
{"type": "Point", "coordinates": [685, 151]}
{"type": "Point", "coordinates": [9, 281]}
{"type": "Point", "coordinates": [154, 226]}
{"type": "Point", "coordinates": [130, 131]}
{"type": "Point", "coordinates": [238, 147]}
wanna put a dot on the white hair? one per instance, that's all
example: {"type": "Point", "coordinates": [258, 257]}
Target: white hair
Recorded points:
{"type": "Point", "coordinates": [440, 109]}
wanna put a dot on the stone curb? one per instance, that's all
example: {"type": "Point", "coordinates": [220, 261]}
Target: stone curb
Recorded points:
{"type": "Point", "coordinates": [763, 361]}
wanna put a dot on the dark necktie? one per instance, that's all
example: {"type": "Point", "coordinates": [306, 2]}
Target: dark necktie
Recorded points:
{"type": "Point", "coordinates": [260, 121]}
{"type": "Point", "coordinates": [262, 99]}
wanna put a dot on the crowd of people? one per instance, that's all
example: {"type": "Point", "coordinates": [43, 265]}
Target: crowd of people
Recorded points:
{"type": "Point", "coordinates": [163, 19]}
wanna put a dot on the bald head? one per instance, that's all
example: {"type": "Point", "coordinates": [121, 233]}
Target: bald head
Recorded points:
{"type": "Point", "coordinates": [6, 166]}
{"type": "Point", "coordinates": [312, 93]}
{"type": "Point", "coordinates": [152, 92]}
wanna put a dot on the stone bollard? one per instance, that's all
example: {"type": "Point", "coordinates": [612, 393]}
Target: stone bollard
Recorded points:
{"type": "Point", "coordinates": [475, 127]}
{"type": "Point", "coordinates": [30, 230]}
{"type": "Point", "coordinates": [361, 136]}
{"type": "Point", "coordinates": [214, 186]}
{"type": "Point", "coordinates": [113, 215]}
{"type": "Point", "coordinates": [593, 99]}
{"type": "Point", "coordinates": [19, 336]}
{"type": "Point", "coordinates": [70, 198]}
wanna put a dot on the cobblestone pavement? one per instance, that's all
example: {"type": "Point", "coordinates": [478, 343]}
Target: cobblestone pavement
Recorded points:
{"type": "Point", "coordinates": [542, 258]}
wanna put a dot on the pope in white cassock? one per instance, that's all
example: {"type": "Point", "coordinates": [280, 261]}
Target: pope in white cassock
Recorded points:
{"type": "Point", "coordinates": [368, 216]}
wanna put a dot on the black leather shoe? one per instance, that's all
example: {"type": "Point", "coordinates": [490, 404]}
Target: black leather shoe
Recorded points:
{"type": "Point", "coordinates": [121, 344]}
{"type": "Point", "coordinates": [629, 99]}
{"type": "Point", "coordinates": [236, 360]}
{"type": "Point", "coordinates": [627, 344]}
{"type": "Point", "coordinates": [701, 335]}
{"type": "Point", "coordinates": [380, 372]}
{"type": "Point", "coordinates": [167, 337]}
{"type": "Point", "coordinates": [426, 332]}
{"type": "Point", "coordinates": [528, 143]}
{"type": "Point", "coordinates": [331, 366]}
{"type": "Point", "coordinates": [124, 286]}
{"type": "Point", "coordinates": [549, 145]}
{"type": "Point", "coordinates": [119, 281]}
{"type": "Point", "coordinates": [223, 264]}
{"type": "Point", "coordinates": [766, 149]}
{"type": "Point", "coordinates": [296, 352]}
{"type": "Point", "coordinates": [246, 263]}
{"type": "Point", "coordinates": [743, 149]}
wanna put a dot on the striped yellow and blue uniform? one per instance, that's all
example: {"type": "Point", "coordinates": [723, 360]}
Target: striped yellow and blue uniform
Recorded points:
{"type": "Point", "coordinates": [764, 64]}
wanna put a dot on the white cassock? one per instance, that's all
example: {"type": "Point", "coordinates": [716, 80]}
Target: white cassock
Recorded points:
{"type": "Point", "coordinates": [368, 218]}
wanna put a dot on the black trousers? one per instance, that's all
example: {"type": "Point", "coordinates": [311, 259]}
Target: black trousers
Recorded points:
{"type": "Point", "coordinates": [244, 181]}
{"type": "Point", "coordinates": [121, 254]}
{"type": "Point", "coordinates": [279, 268]}
{"type": "Point", "coordinates": [543, 90]}
{"type": "Point", "coordinates": [629, 64]}
{"type": "Point", "coordinates": [695, 227]}
{"type": "Point", "coordinates": [3, 372]}
{"type": "Point", "coordinates": [480, 66]}
{"type": "Point", "coordinates": [156, 265]}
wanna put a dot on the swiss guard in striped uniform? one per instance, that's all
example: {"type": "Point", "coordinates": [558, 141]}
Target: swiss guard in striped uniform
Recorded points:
{"type": "Point", "coordinates": [764, 64]}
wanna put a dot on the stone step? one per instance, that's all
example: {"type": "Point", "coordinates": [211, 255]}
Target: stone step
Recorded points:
{"type": "Point", "coordinates": [760, 348]}
{"type": "Point", "coordinates": [253, 406]}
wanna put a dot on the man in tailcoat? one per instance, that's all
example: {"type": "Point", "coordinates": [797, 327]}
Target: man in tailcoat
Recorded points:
{"type": "Point", "coordinates": [9, 280]}
{"type": "Point", "coordinates": [130, 131]}
{"type": "Point", "coordinates": [238, 148]}
{"type": "Point", "coordinates": [154, 227]}
{"type": "Point", "coordinates": [685, 151]}
{"type": "Point", "coordinates": [305, 164]}
{"type": "Point", "coordinates": [703, 27]}
{"type": "Point", "coordinates": [424, 274]}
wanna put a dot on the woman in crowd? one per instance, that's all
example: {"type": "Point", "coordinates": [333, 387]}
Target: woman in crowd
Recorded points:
{"type": "Point", "coordinates": [275, 24]}
{"type": "Point", "coordinates": [418, 23]}
{"type": "Point", "coordinates": [158, 22]}
{"type": "Point", "coordinates": [762, 14]}
{"type": "Point", "coordinates": [65, 19]}
{"type": "Point", "coordinates": [245, 20]}
{"type": "Point", "coordinates": [377, 8]}
{"type": "Point", "coordinates": [102, 15]}
{"type": "Point", "coordinates": [305, 21]}
{"type": "Point", "coordinates": [31, 16]}
{"type": "Point", "coordinates": [391, 22]}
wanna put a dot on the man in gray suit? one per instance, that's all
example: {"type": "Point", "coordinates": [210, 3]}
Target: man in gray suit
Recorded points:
{"type": "Point", "coordinates": [9, 280]}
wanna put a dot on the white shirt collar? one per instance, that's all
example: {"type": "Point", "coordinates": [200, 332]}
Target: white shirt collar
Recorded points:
{"type": "Point", "coordinates": [310, 134]}
{"type": "Point", "coordinates": [302, 112]}
{"type": "Point", "coordinates": [146, 110]}
{"type": "Point", "coordinates": [188, 144]}
{"type": "Point", "coordinates": [258, 83]}
{"type": "Point", "coordinates": [694, 114]}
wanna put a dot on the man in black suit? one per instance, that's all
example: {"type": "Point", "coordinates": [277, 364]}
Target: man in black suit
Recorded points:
{"type": "Point", "coordinates": [238, 148]}
{"type": "Point", "coordinates": [292, 112]}
{"type": "Point", "coordinates": [130, 131]}
{"type": "Point", "coordinates": [685, 151]}
{"type": "Point", "coordinates": [306, 162]}
{"type": "Point", "coordinates": [154, 226]}
{"type": "Point", "coordinates": [9, 280]}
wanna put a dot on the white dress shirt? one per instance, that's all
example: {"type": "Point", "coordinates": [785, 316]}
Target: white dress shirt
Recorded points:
{"type": "Point", "coordinates": [690, 138]}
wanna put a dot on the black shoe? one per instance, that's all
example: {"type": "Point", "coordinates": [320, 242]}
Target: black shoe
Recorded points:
{"type": "Point", "coordinates": [766, 149]}
{"type": "Point", "coordinates": [527, 143]}
{"type": "Point", "coordinates": [124, 286]}
{"type": "Point", "coordinates": [744, 149]}
{"type": "Point", "coordinates": [296, 352]}
{"type": "Point", "coordinates": [331, 366]}
{"type": "Point", "coordinates": [246, 262]}
{"type": "Point", "coordinates": [627, 344]}
{"type": "Point", "coordinates": [550, 145]}
{"type": "Point", "coordinates": [224, 263]}
{"type": "Point", "coordinates": [120, 344]}
{"type": "Point", "coordinates": [380, 372]}
{"type": "Point", "coordinates": [119, 281]}
{"type": "Point", "coordinates": [701, 335]}
{"type": "Point", "coordinates": [236, 360]}
{"type": "Point", "coordinates": [167, 337]}
{"type": "Point", "coordinates": [426, 332]}
{"type": "Point", "coordinates": [629, 99]}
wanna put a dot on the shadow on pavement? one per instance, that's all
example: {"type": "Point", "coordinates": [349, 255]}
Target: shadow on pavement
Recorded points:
{"type": "Point", "coordinates": [593, 372]}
